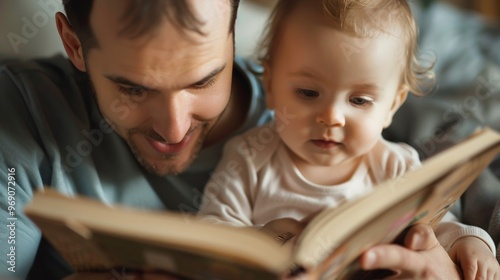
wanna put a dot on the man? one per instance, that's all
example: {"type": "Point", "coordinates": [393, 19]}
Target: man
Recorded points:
{"type": "Point", "coordinates": [125, 135]}
{"type": "Point", "coordinates": [140, 119]}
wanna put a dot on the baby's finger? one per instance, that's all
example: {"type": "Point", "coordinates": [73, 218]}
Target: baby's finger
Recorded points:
{"type": "Point", "coordinates": [471, 271]}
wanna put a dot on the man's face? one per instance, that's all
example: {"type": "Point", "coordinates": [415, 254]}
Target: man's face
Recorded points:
{"type": "Point", "coordinates": [163, 91]}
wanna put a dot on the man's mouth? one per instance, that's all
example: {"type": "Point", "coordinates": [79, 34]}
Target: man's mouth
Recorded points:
{"type": "Point", "coordinates": [169, 149]}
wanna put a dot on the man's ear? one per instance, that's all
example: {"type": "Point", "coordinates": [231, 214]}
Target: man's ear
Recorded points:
{"type": "Point", "coordinates": [70, 42]}
{"type": "Point", "coordinates": [399, 99]}
{"type": "Point", "coordinates": [266, 80]}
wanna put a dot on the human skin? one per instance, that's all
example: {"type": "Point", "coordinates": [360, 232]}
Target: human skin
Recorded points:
{"type": "Point", "coordinates": [168, 93]}
{"type": "Point", "coordinates": [421, 257]}
{"type": "Point", "coordinates": [164, 91]}
{"type": "Point", "coordinates": [341, 103]}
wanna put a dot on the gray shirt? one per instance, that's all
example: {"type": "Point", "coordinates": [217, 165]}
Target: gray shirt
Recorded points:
{"type": "Point", "coordinates": [52, 134]}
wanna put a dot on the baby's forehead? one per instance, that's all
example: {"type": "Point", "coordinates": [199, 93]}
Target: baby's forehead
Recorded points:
{"type": "Point", "coordinates": [328, 45]}
{"type": "Point", "coordinates": [366, 23]}
{"type": "Point", "coordinates": [372, 19]}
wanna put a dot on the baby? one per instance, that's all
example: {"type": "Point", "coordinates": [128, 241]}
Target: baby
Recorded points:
{"type": "Point", "coordinates": [335, 73]}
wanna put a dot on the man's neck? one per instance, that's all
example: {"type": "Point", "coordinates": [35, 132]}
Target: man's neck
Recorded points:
{"type": "Point", "coordinates": [235, 113]}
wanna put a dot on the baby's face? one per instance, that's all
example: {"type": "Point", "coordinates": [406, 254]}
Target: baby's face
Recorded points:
{"type": "Point", "coordinates": [338, 91]}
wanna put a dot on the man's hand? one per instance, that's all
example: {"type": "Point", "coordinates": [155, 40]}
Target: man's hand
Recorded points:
{"type": "Point", "coordinates": [422, 257]}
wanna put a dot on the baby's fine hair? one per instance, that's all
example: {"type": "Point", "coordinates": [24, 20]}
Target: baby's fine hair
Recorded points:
{"type": "Point", "coordinates": [361, 18]}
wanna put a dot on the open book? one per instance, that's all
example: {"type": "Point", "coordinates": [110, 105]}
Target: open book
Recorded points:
{"type": "Point", "coordinates": [93, 236]}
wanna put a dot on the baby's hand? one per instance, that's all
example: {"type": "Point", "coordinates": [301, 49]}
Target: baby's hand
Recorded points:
{"type": "Point", "coordinates": [287, 230]}
{"type": "Point", "coordinates": [283, 230]}
{"type": "Point", "coordinates": [475, 258]}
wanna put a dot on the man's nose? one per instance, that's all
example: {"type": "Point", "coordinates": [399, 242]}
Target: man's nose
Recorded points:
{"type": "Point", "coordinates": [172, 117]}
{"type": "Point", "coordinates": [331, 115]}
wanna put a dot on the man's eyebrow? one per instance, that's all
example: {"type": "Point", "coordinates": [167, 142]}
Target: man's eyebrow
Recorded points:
{"type": "Point", "coordinates": [124, 81]}
{"type": "Point", "coordinates": [209, 77]}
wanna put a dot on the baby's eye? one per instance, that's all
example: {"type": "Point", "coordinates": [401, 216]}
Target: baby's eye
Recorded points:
{"type": "Point", "coordinates": [361, 101]}
{"type": "Point", "coordinates": [306, 93]}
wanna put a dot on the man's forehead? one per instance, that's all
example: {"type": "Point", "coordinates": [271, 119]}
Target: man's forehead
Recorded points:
{"type": "Point", "coordinates": [106, 15]}
{"type": "Point", "coordinates": [164, 53]}
{"type": "Point", "coordinates": [114, 16]}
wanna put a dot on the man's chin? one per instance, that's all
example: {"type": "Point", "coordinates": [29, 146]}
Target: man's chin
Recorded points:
{"type": "Point", "coordinates": [165, 167]}
{"type": "Point", "coordinates": [163, 164]}
{"type": "Point", "coordinates": [171, 165]}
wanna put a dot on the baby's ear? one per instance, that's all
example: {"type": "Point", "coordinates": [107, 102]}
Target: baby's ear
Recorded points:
{"type": "Point", "coordinates": [399, 99]}
{"type": "Point", "coordinates": [266, 80]}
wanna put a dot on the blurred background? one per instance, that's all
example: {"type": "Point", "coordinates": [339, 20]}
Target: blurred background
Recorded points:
{"type": "Point", "coordinates": [27, 27]}
{"type": "Point", "coordinates": [488, 8]}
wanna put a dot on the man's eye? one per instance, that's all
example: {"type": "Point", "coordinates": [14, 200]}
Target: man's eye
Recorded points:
{"type": "Point", "coordinates": [205, 84]}
{"type": "Point", "coordinates": [359, 101]}
{"type": "Point", "coordinates": [133, 91]}
{"type": "Point", "coordinates": [306, 93]}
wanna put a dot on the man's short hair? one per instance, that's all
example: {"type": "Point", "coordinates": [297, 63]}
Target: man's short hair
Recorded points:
{"type": "Point", "coordinates": [139, 17]}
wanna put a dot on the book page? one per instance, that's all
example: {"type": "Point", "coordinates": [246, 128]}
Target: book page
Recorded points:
{"type": "Point", "coordinates": [93, 236]}
{"type": "Point", "coordinates": [338, 236]}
